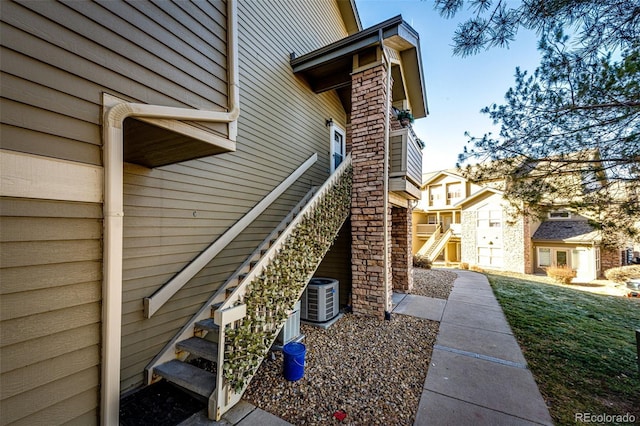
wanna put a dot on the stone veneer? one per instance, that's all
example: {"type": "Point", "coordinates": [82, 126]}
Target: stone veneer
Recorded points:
{"type": "Point", "coordinates": [515, 244]}
{"type": "Point", "coordinates": [369, 100]}
{"type": "Point", "coordinates": [402, 259]}
{"type": "Point", "coordinates": [468, 238]}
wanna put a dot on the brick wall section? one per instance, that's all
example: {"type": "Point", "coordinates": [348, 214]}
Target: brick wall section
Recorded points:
{"type": "Point", "coordinates": [609, 258]}
{"type": "Point", "coordinates": [528, 246]}
{"type": "Point", "coordinates": [368, 96]}
{"type": "Point", "coordinates": [401, 259]}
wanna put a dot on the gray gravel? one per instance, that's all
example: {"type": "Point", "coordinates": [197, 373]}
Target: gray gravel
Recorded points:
{"type": "Point", "coordinates": [433, 282]}
{"type": "Point", "coordinates": [374, 370]}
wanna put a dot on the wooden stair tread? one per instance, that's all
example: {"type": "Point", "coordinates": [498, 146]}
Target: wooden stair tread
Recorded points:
{"type": "Point", "coordinates": [207, 324]}
{"type": "Point", "coordinates": [199, 347]}
{"type": "Point", "coordinates": [188, 376]}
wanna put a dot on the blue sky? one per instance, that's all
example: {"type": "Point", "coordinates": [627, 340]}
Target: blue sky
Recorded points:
{"type": "Point", "coordinates": [457, 88]}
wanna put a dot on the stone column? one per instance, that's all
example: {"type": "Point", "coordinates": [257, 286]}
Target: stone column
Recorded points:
{"type": "Point", "coordinates": [401, 257]}
{"type": "Point", "coordinates": [369, 100]}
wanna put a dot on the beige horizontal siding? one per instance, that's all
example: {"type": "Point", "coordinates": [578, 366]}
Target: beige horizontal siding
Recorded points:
{"type": "Point", "coordinates": [414, 161]}
{"type": "Point", "coordinates": [58, 59]}
{"type": "Point", "coordinates": [395, 143]}
{"type": "Point", "coordinates": [337, 263]}
{"type": "Point", "coordinates": [50, 270]}
{"type": "Point", "coordinates": [173, 213]}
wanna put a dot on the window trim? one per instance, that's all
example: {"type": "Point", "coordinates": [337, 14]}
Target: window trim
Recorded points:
{"type": "Point", "coordinates": [553, 256]}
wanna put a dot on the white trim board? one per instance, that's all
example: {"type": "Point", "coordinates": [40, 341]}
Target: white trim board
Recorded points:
{"type": "Point", "coordinates": [34, 176]}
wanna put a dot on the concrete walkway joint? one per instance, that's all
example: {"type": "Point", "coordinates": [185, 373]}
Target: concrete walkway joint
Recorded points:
{"type": "Point", "coordinates": [477, 374]}
{"type": "Point", "coordinates": [480, 356]}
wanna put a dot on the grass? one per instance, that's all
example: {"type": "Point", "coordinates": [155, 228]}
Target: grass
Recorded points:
{"type": "Point", "coordinates": [580, 347]}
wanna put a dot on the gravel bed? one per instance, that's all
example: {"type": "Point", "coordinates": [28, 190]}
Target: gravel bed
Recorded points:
{"type": "Point", "coordinates": [372, 369]}
{"type": "Point", "coordinates": [433, 282]}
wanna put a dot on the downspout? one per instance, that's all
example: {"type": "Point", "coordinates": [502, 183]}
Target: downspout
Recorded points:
{"type": "Point", "coordinates": [385, 185]}
{"type": "Point", "coordinates": [113, 210]}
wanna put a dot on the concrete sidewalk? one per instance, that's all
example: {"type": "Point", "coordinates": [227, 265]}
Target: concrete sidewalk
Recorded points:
{"type": "Point", "coordinates": [478, 374]}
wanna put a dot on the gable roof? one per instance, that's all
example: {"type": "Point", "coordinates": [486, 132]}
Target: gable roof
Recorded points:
{"type": "Point", "coordinates": [330, 67]}
{"type": "Point", "coordinates": [471, 199]}
{"type": "Point", "coordinates": [429, 177]}
{"type": "Point", "coordinates": [569, 231]}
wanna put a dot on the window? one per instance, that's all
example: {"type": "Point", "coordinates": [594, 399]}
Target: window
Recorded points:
{"type": "Point", "coordinates": [562, 258]}
{"type": "Point", "coordinates": [454, 191]}
{"type": "Point", "coordinates": [490, 256]}
{"type": "Point", "coordinates": [432, 219]}
{"type": "Point", "coordinates": [489, 218]}
{"type": "Point", "coordinates": [338, 147]}
{"type": "Point", "coordinates": [544, 257]}
{"type": "Point", "coordinates": [559, 215]}
{"type": "Point", "coordinates": [435, 194]}
{"type": "Point", "coordinates": [553, 257]}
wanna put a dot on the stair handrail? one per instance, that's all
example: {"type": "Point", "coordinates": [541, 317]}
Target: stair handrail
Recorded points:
{"type": "Point", "coordinates": [171, 287]}
{"type": "Point", "coordinates": [429, 243]}
{"type": "Point", "coordinates": [268, 257]}
{"type": "Point", "coordinates": [168, 351]}
{"type": "Point", "coordinates": [441, 243]}
{"type": "Point", "coordinates": [233, 310]}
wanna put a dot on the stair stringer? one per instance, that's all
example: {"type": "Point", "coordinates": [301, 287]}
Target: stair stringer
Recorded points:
{"type": "Point", "coordinates": [433, 238]}
{"type": "Point", "coordinates": [170, 351]}
{"type": "Point", "coordinates": [321, 219]}
{"type": "Point", "coordinates": [439, 245]}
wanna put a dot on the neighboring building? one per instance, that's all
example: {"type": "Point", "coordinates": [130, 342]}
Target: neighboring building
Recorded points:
{"type": "Point", "coordinates": [153, 154]}
{"type": "Point", "coordinates": [458, 221]}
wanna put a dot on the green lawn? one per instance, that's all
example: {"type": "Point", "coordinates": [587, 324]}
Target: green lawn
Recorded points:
{"type": "Point", "coordinates": [580, 346]}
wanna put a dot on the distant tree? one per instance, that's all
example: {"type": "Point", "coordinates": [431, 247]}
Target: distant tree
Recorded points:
{"type": "Point", "coordinates": [570, 131]}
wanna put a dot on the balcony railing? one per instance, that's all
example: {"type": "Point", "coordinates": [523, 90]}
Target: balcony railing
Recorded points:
{"type": "Point", "coordinates": [425, 230]}
{"type": "Point", "coordinates": [405, 175]}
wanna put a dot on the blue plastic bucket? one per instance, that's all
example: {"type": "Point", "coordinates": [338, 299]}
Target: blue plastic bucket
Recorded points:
{"type": "Point", "coordinates": [293, 365]}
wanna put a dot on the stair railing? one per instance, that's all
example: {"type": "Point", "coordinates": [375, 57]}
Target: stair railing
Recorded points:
{"type": "Point", "coordinates": [439, 245]}
{"type": "Point", "coordinates": [429, 243]}
{"type": "Point", "coordinates": [171, 287]}
{"type": "Point", "coordinates": [251, 317]}
{"type": "Point", "coordinates": [169, 351]}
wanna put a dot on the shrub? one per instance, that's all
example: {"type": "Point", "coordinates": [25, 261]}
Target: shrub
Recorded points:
{"type": "Point", "coordinates": [623, 273]}
{"type": "Point", "coordinates": [464, 265]}
{"type": "Point", "coordinates": [476, 268]}
{"type": "Point", "coordinates": [561, 274]}
{"type": "Point", "coordinates": [421, 261]}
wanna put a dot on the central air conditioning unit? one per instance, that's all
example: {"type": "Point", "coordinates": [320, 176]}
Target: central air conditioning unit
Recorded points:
{"type": "Point", "coordinates": [320, 301]}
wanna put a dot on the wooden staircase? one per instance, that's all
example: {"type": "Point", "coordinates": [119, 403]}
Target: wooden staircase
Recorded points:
{"type": "Point", "coordinates": [203, 337]}
{"type": "Point", "coordinates": [434, 246]}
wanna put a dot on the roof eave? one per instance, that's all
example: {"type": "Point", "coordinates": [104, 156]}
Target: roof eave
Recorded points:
{"type": "Point", "coordinates": [341, 50]}
{"type": "Point", "coordinates": [350, 16]}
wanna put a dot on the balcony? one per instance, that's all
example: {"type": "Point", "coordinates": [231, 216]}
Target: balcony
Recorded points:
{"type": "Point", "coordinates": [424, 230]}
{"type": "Point", "coordinates": [405, 177]}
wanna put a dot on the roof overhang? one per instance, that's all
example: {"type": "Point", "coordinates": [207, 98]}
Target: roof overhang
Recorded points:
{"type": "Point", "coordinates": [429, 178]}
{"type": "Point", "coordinates": [330, 67]}
{"type": "Point", "coordinates": [477, 196]}
{"type": "Point", "coordinates": [350, 16]}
